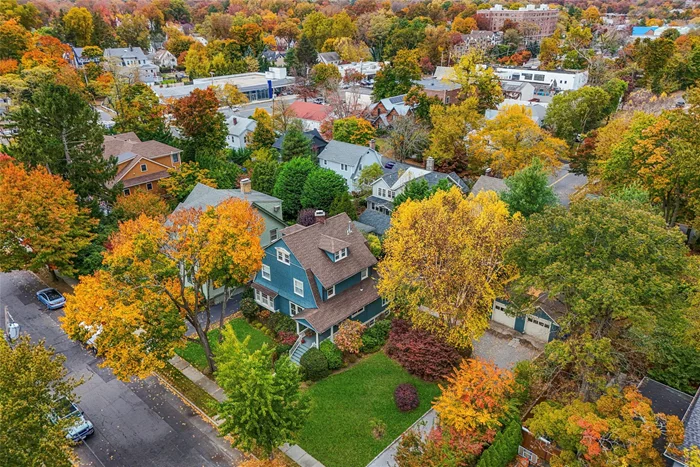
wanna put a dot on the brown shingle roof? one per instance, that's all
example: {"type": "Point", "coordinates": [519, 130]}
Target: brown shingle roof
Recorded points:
{"type": "Point", "coordinates": [152, 177]}
{"type": "Point", "coordinates": [340, 307]}
{"type": "Point", "coordinates": [306, 246]}
{"type": "Point", "coordinates": [332, 245]}
{"type": "Point", "coordinates": [130, 143]}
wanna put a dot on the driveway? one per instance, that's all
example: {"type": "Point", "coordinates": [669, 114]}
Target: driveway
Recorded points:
{"type": "Point", "coordinates": [505, 347]}
{"type": "Point", "coordinates": [136, 424]}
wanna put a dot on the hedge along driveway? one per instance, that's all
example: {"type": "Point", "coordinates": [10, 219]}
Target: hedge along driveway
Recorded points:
{"type": "Point", "coordinates": [194, 353]}
{"type": "Point", "coordinates": [338, 431]}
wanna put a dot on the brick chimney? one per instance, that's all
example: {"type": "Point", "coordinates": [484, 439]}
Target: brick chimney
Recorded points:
{"type": "Point", "coordinates": [372, 144]}
{"type": "Point", "coordinates": [430, 164]}
{"type": "Point", "coordinates": [320, 216]}
{"type": "Point", "coordinates": [245, 185]}
{"type": "Point", "coordinates": [488, 172]}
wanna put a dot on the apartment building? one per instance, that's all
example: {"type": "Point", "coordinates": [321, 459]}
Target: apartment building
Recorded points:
{"type": "Point", "coordinates": [535, 21]}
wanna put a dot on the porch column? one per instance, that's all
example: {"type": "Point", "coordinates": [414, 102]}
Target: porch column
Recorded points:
{"type": "Point", "coordinates": [297, 323]}
{"type": "Point", "coordinates": [332, 332]}
{"type": "Point", "coordinates": [317, 340]}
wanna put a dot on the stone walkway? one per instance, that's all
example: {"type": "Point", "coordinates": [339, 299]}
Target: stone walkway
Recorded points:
{"type": "Point", "coordinates": [423, 426]}
{"type": "Point", "coordinates": [294, 452]}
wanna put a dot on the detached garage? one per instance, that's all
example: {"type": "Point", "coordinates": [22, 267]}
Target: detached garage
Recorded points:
{"type": "Point", "coordinates": [541, 324]}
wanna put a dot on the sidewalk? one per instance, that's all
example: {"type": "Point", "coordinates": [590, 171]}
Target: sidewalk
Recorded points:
{"type": "Point", "coordinates": [294, 452]}
{"type": "Point", "coordinates": [423, 426]}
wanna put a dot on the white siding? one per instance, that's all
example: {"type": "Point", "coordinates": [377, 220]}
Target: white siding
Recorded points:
{"type": "Point", "coordinates": [537, 327]}
{"type": "Point", "coordinates": [500, 316]}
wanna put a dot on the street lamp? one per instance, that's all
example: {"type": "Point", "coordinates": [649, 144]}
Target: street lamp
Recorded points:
{"type": "Point", "coordinates": [211, 73]}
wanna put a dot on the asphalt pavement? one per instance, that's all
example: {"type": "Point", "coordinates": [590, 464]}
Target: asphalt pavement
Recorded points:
{"type": "Point", "coordinates": [139, 423]}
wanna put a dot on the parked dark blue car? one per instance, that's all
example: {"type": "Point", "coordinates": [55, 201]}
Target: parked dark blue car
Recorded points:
{"type": "Point", "coordinates": [52, 298]}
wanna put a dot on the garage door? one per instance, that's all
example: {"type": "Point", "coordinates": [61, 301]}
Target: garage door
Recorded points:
{"type": "Point", "coordinates": [501, 317]}
{"type": "Point", "coordinates": [537, 327]}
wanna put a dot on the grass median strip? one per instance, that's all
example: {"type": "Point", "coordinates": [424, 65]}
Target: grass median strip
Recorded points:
{"type": "Point", "coordinates": [189, 389]}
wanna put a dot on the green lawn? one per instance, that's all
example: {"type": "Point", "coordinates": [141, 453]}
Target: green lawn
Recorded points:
{"type": "Point", "coordinates": [194, 353]}
{"type": "Point", "coordinates": [338, 431]}
{"type": "Point", "coordinates": [194, 393]}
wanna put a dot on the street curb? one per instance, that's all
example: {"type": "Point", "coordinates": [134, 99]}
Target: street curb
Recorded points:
{"type": "Point", "coordinates": [184, 398]}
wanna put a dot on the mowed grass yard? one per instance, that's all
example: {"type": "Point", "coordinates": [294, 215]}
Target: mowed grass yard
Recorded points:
{"type": "Point", "coordinates": [194, 353]}
{"type": "Point", "coordinates": [338, 431]}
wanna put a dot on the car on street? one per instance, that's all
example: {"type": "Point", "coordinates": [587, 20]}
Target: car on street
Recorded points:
{"type": "Point", "coordinates": [52, 298]}
{"type": "Point", "coordinates": [78, 427]}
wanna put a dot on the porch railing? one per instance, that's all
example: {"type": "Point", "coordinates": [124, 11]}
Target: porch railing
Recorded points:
{"type": "Point", "coordinates": [296, 345]}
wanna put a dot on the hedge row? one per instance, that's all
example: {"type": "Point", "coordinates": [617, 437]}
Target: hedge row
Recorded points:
{"type": "Point", "coordinates": [504, 447]}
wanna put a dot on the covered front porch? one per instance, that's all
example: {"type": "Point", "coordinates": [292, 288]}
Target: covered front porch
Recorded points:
{"type": "Point", "coordinates": [307, 338]}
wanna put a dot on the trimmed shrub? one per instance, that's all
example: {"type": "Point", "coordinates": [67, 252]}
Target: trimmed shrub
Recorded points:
{"type": "Point", "coordinates": [375, 337]}
{"type": "Point", "coordinates": [333, 355]}
{"type": "Point", "coordinates": [249, 309]}
{"type": "Point", "coordinates": [406, 397]}
{"type": "Point", "coordinates": [421, 353]}
{"type": "Point", "coordinates": [504, 447]}
{"type": "Point", "coordinates": [287, 338]}
{"type": "Point", "coordinates": [306, 217]}
{"type": "Point", "coordinates": [282, 349]}
{"type": "Point", "coordinates": [314, 364]}
{"type": "Point", "coordinates": [279, 322]}
{"type": "Point", "coordinates": [349, 336]}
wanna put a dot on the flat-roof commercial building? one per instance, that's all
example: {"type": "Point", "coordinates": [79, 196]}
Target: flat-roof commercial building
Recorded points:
{"type": "Point", "coordinates": [535, 21]}
{"type": "Point", "coordinates": [255, 85]}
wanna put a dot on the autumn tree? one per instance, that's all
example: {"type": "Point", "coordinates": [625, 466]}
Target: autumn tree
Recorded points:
{"type": "Point", "coordinates": [184, 178]}
{"type": "Point", "coordinates": [353, 130]}
{"type": "Point", "coordinates": [529, 191]}
{"type": "Point", "coordinates": [33, 385]}
{"type": "Point", "coordinates": [15, 40]}
{"type": "Point", "coordinates": [408, 138]}
{"type": "Point", "coordinates": [368, 175]}
{"type": "Point", "coordinates": [397, 77]}
{"type": "Point", "coordinates": [619, 428]}
{"type": "Point", "coordinates": [140, 202]}
{"type": "Point", "coordinates": [290, 184]}
{"type": "Point", "coordinates": [78, 24]}
{"type": "Point", "coordinates": [451, 125]}
{"type": "Point", "coordinates": [625, 299]}
{"type": "Point", "coordinates": [230, 96]}
{"type": "Point", "coordinates": [133, 30]}
{"type": "Point", "coordinates": [264, 407]}
{"type": "Point", "coordinates": [349, 336]}
{"type": "Point", "coordinates": [431, 251]}
{"type": "Point", "coordinates": [321, 188]}
{"type": "Point", "coordinates": [325, 75]}
{"type": "Point", "coordinates": [510, 141]}
{"type": "Point", "coordinates": [264, 135]}
{"type": "Point", "coordinates": [478, 81]}
{"type": "Point", "coordinates": [419, 189]}
{"type": "Point", "coordinates": [59, 130]}
{"type": "Point", "coordinates": [574, 113]}
{"type": "Point", "coordinates": [41, 224]}
{"type": "Point", "coordinates": [139, 110]}
{"type": "Point", "coordinates": [200, 121]}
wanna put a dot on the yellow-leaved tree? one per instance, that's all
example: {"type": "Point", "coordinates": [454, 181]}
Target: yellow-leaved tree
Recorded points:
{"type": "Point", "coordinates": [156, 276]}
{"type": "Point", "coordinates": [510, 141]}
{"type": "Point", "coordinates": [444, 264]}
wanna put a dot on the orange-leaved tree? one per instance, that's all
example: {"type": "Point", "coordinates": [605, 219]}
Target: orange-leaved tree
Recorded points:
{"type": "Point", "coordinates": [41, 224]}
{"type": "Point", "coordinates": [233, 253]}
{"type": "Point", "coordinates": [444, 263]}
{"type": "Point", "coordinates": [140, 202]}
{"type": "Point", "coordinates": [168, 267]}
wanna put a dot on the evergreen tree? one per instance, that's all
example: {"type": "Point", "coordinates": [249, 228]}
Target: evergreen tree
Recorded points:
{"type": "Point", "coordinates": [343, 203]}
{"type": "Point", "coordinates": [264, 407]}
{"type": "Point", "coordinates": [321, 188]}
{"type": "Point", "coordinates": [290, 183]}
{"type": "Point", "coordinates": [528, 190]}
{"type": "Point", "coordinates": [59, 130]}
{"type": "Point", "coordinates": [295, 143]}
{"type": "Point", "coordinates": [306, 55]}
{"type": "Point", "coordinates": [264, 176]}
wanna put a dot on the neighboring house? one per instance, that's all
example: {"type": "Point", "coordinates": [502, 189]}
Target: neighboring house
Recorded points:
{"type": "Point", "coordinates": [318, 144]}
{"type": "Point", "coordinates": [132, 63]}
{"type": "Point", "coordinates": [664, 399]}
{"type": "Point", "coordinates": [106, 116]}
{"type": "Point", "coordinates": [268, 207]}
{"type": "Point", "coordinates": [366, 69]}
{"type": "Point", "coordinates": [78, 60]}
{"type": "Point", "coordinates": [140, 164]}
{"type": "Point", "coordinates": [654, 32]}
{"type": "Point", "coordinates": [478, 40]}
{"type": "Point", "coordinates": [517, 90]}
{"type": "Point", "coordinates": [559, 80]}
{"type": "Point", "coordinates": [320, 276]}
{"type": "Point", "coordinates": [238, 130]}
{"type": "Point", "coordinates": [543, 323]}
{"type": "Point", "coordinates": [329, 58]}
{"type": "Point", "coordinates": [444, 89]}
{"type": "Point", "coordinates": [348, 160]}
{"type": "Point", "coordinates": [538, 109]}
{"type": "Point", "coordinates": [163, 59]}
{"type": "Point", "coordinates": [397, 175]}
{"type": "Point", "coordinates": [488, 183]}
{"type": "Point", "coordinates": [310, 114]}
{"type": "Point", "coordinates": [382, 113]}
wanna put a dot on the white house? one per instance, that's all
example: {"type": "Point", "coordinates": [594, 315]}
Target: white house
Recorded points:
{"type": "Point", "coordinates": [348, 160]}
{"type": "Point", "coordinates": [133, 64]}
{"type": "Point", "coordinates": [329, 58]}
{"type": "Point", "coordinates": [163, 59]}
{"type": "Point", "coordinates": [238, 130]}
{"type": "Point", "coordinates": [562, 80]}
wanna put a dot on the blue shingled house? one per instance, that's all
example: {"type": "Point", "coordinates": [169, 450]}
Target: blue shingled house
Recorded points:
{"type": "Point", "coordinates": [320, 276]}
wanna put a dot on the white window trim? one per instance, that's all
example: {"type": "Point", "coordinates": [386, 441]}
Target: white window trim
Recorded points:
{"type": "Point", "coordinates": [266, 272]}
{"type": "Point", "coordinates": [264, 300]}
{"type": "Point", "coordinates": [330, 292]}
{"type": "Point", "coordinates": [149, 186]}
{"type": "Point", "coordinates": [274, 235]}
{"type": "Point", "coordinates": [283, 256]}
{"type": "Point", "coordinates": [292, 307]}
{"type": "Point", "coordinates": [342, 254]}
{"type": "Point", "coordinates": [365, 274]}
{"type": "Point", "coordinates": [358, 313]}
{"type": "Point", "coordinates": [144, 167]}
{"type": "Point", "coordinates": [298, 284]}
{"type": "Point", "coordinates": [385, 301]}
{"type": "Point", "coordinates": [127, 191]}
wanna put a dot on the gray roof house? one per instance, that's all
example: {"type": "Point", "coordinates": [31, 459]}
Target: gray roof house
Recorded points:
{"type": "Point", "coordinates": [488, 183]}
{"type": "Point", "coordinates": [133, 64]}
{"type": "Point", "coordinates": [329, 58]}
{"type": "Point", "coordinates": [238, 130]}
{"type": "Point", "coordinates": [348, 160]}
{"type": "Point", "coordinates": [318, 144]}
{"type": "Point", "coordinates": [397, 175]}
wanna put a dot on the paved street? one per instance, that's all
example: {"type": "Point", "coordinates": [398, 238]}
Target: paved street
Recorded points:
{"type": "Point", "coordinates": [565, 183]}
{"type": "Point", "coordinates": [136, 424]}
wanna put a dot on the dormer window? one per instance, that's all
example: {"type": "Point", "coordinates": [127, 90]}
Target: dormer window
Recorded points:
{"type": "Point", "coordinates": [341, 254]}
{"type": "Point", "coordinates": [283, 256]}
{"type": "Point", "coordinates": [330, 292]}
